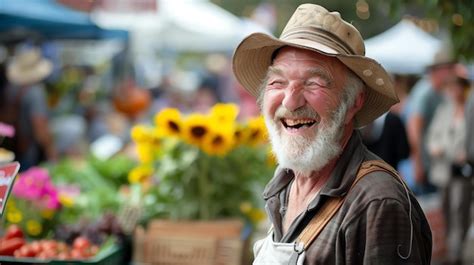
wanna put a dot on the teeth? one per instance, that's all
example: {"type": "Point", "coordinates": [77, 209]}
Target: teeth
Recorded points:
{"type": "Point", "coordinates": [298, 122]}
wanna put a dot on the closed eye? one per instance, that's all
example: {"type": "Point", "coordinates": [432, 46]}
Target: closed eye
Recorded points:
{"type": "Point", "coordinates": [315, 85]}
{"type": "Point", "coordinates": [317, 82]}
{"type": "Point", "coordinates": [276, 82]}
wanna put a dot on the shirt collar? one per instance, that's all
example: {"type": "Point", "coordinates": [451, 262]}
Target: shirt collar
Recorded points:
{"type": "Point", "coordinates": [341, 177]}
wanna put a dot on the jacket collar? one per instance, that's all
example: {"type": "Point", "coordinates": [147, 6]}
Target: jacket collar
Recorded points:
{"type": "Point", "coordinates": [341, 177]}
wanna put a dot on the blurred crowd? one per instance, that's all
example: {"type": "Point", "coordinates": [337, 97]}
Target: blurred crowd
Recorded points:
{"type": "Point", "coordinates": [429, 138]}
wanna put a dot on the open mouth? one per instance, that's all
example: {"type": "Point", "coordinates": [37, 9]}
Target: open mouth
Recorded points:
{"type": "Point", "coordinates": [295, 124]}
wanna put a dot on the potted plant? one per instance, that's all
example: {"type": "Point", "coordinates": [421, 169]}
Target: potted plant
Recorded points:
{"type": "Point", "coordinates": [204, 167]}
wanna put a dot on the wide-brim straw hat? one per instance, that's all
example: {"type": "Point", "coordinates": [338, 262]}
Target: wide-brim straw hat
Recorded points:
{"type": "Point", "coordinates": [314, 28]}
{"type": "Point", "coordinates": [28, 67]}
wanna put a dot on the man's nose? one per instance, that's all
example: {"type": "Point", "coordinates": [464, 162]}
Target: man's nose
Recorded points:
{"type": "Point", "coordinates": [294, 98]}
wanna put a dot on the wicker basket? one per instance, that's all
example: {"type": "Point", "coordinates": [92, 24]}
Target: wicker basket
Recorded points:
{"type": "Point", "coordinates": [183, 243]}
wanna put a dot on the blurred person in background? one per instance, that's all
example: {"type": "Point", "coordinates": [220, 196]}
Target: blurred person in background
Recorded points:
{"type": "Point", "coordinates": [403, 85]}
{"type": "Point", "coordinates": [470, 128]}
{"type": "Point", "coordinates": [3, 75]}
{"type": "Point", "coordinates": [217, 76]}
{"type": "Point", "coordinates": [449, 171]}
{"type": "Point", "coordinates": [386, 136]}
{"type": "Point", "coordinates": [204, 98]}
{"type": "Point", "coordinates": [248, 106]}
{"type": "Point", "coordinates": [24, 105]}
{"type": "Point", "coordinates": [424, 99]}
{"type": "Point", "coordinates": [168, 94]}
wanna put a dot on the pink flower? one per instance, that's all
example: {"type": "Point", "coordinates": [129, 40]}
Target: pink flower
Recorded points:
{"type": "Point", "coordinates": [27, 187]}
{"type": "Point", "coordinates": [6, 130]}
{"type": "Point", "coordinates": [51, 200]}
{"type": "Point", "coordinates": [35, 185]}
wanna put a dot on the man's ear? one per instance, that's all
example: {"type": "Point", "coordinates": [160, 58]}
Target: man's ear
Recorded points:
{"type": "Point", "coordinates": [358, 103]}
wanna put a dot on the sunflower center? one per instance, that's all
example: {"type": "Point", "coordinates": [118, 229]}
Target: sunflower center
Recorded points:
{"type": "Point", "coordinates": [198, 131]}
{"type": "Point", "coordinates": [237, 134]}
{"type": "Point", "coordinates": [254, 134]}
{"type": "Point", "coordinates": [218, 140]}
{"type": "Point", "coordinates": [173, 126]}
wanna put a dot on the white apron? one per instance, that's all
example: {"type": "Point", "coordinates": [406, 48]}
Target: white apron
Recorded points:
{"type": "Point", "coordinates": [268, 252]}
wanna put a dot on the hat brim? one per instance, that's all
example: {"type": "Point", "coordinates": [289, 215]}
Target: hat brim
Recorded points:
{"type": "Point", "coordinates": [254, 54]}
{"type": "Point", "coordinates": [21, 77]}
{"type": "Point", "coordinates": [439, 65]}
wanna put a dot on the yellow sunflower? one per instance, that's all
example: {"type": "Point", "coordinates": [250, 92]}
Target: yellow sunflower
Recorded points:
{"type": "Point", "coordinates": [140, 174]}
{"type": "Point", "coordinates": [156, 138]}
{"type": "Point", "coordinates": [224, 112]}
{"type": "Point", "coordinates": [14, 216]}
{"type": "Point", "coordinates": [33, 227]}
{"type": "Point", "coordinates": [219, 141]}
{"type": "Point", "coordinates": [240, 135]}
{"type": "Point", "coordinates": [141, 133]}
{"type": "Point", "coordinates": [66, 200]}
{"type": "Point", "coordinates": [47, 214]}
{"type": "Point", "coordinates": [169, 122]}
{"type": "Point", "coordinates": [145, 153]}
{"type": "Point", "coordinates": [195, 128]}
{"type": "Point", "coordinates": [257, 215]}
{"type": "Point", "coordinates": [257, 132]}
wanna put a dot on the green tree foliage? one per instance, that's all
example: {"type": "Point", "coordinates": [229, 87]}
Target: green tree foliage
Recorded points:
{"type": "Point", "coordinates": [455, 16]}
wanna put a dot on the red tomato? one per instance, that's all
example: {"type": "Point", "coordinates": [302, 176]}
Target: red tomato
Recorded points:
{"type": "Point", "coordinates": [62, 247]}
{"type": "Point", "coordinates": [36, 247]}
{"type": "Point", "coordinates": [77, 254]}
{"type": "Point", "coordinates": [49, 245]}
{"type": "Point", "coordinates": [63, 255]}
{"type": "Point", "coordinates": [8, 246]}
{"type": "Point", "coordinates": [13, 231]}
{"type": "Point", "coordinates": [81, 243]}
{"type": "Point", "coordinates": [24, 251]}
{"type": "Point", "coordinates": [45, 255]}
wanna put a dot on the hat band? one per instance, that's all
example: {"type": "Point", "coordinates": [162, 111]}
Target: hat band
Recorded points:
{"type": "Point", "coordinates": [318, 35]}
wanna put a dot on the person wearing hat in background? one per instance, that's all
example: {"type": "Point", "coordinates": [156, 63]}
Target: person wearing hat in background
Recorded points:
{"type": "Point", "coordinates": [330, 201]}
{"type": "Point", "coordinates": [469, 112]}
{"type": "Point", "coordinates": [24, 105]}
{"type": "Point", "coordinates": [446, 141]}
{"type": "Point", "coordinates": [425, 97]}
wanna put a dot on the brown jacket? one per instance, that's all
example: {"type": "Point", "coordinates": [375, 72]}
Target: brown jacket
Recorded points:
{"type": "Point", "coordinates": [371, 227]}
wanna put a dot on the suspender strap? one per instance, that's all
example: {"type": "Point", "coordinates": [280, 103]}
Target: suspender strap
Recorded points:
{"type": "Point", "coordinates": [321, 219]}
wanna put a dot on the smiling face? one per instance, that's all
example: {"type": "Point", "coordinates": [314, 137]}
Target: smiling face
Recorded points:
{"type": "Point", "coordinates": [304, 110]}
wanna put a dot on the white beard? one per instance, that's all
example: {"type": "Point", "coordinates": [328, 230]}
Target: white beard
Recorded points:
{"type": "Point", "coordinates": [304, 154]}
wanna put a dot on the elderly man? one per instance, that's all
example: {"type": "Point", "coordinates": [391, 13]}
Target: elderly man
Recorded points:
{"type": "Point", "coordinates": [330, 201]}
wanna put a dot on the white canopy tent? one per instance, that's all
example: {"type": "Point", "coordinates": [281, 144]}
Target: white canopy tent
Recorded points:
{"type": "Point", "coordinates": [181, 25]}
{"type": "Point", "coordinates": [177, 25]}
{"type": "Point", "coordinates": [403, 49]}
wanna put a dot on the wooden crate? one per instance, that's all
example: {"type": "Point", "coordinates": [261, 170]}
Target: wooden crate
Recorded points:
{"type": "Point", "coordinates": [189, 242]}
